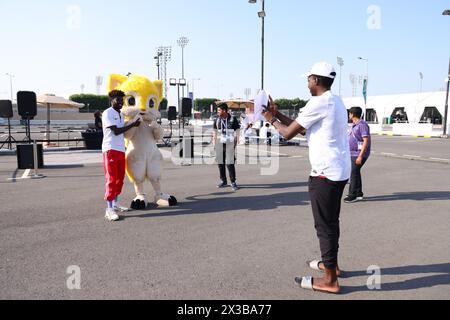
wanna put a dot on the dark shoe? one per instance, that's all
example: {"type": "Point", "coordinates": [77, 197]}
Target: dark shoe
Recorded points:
{"type": "Point", "coordinates": [138, 205]}
{"type": "Point", "coordinates": [234, 186]}
{"type": "Point", "coordinates": [173, 201]}
{"type": "Point", "coordinates": [223, 184]}
{"type": "Point", "coordinates": [350, 199]}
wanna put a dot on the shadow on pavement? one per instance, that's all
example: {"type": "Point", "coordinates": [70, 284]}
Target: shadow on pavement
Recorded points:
{"type": "Point", "coordinates": [423, 282]}
{"type": "Point", "coordinates": [63, 166]}
{"type": "Point", "coordinates": [221, 203]}
{"type": "Point", "coordinates": [274, 185]}
{"type": "Point", "coordinates": [418, 196]}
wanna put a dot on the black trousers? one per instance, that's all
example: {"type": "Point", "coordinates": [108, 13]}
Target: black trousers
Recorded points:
{"type": "Point", "coordinates": [326, 196]}
{"type": "Point", "coordinates": [231, 172]}
{"type": "Point", "coordinates": [226, 157]}
{"type": "Point", "coordinates": [355, 189]}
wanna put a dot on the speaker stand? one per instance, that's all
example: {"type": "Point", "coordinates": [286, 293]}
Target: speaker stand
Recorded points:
{"type": "Point", "coordinates": [27, 130]}
{"type": "Point", "coordinates": [10, 138]}
{"type": "Point", "coordinates": [185, 162]}
{"type": "Point", "coordinates": [168, 140]}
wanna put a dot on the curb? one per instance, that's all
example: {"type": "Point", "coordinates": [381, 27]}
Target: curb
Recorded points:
{"type": "Point", "coordinates": [390, 134]}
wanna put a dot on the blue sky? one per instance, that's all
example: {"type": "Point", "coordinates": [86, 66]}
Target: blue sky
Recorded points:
{"type": "Point", "coordinates": [55, 46]}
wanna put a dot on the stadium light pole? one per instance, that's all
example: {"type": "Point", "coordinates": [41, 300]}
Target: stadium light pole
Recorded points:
{"type": "Point", "coordinates": [446, 13]}
{"type": "Point", "coordinates": [340, 62]}
{"type": "Point", "coordinates": [182, 42]}
{"type": "Point", "coordinates": [158, 63]}
{"type": "Point", "coordinates": [262, 15]}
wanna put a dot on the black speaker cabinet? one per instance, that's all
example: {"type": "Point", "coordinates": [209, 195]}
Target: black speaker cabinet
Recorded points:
{"type": "Point", "coordinates": [93, 140]}
{"type": "Point", "coordinates": [6, 110]}
{"type": "Point", "coordinates": [25, 157]}
{"type": "Point", "coordinates": [172, 114]}
{"type": "Point", "coordinates": [186, 108]}
{"type": "Point", "coordinates": [27, 104]}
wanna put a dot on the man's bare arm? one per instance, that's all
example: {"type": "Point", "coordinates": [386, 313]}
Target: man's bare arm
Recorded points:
{"type": "Point", "coordinates": [284, 119]}
{"type": "Point", "coordinates": [119, 131]}
{"type": "Point", "coordinates": [289, 132]}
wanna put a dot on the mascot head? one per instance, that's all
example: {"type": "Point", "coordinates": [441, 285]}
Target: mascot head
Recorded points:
{"type": "Point", "coordinates": [141, 95]}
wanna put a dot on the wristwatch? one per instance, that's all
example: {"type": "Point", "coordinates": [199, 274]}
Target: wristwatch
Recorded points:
{"type": "Point", "coordinates": [273, 120]}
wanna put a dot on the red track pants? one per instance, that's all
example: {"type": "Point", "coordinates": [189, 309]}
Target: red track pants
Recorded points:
{"type": "Point", "coordinates": [114, 166]}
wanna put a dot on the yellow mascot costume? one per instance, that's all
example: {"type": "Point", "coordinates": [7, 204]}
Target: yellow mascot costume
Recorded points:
{"type": "Point", "coordinates": [143, 158]}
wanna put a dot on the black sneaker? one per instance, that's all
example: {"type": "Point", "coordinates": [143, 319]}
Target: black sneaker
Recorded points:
{"type": "Point", "coordinates": [234, 186]}
{"type": "Point", "coordinates": [350, 199]}
{"type": "Point", "coordinates": [223, 184]}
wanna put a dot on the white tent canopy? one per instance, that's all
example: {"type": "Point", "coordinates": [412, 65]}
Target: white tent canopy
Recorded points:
{"type": "Point", "coordinates": [58, 102]}
{"type": "Point", "coordinates": [414, 104]}
{"type": "Point", "coordinates": [52, 101]}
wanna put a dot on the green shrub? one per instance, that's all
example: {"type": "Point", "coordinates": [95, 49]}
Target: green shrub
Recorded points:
{"type": "Point", "coordinates": [92, 102]}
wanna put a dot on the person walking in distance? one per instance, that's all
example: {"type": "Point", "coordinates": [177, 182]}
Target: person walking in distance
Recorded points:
{"type": "Point", "coordinates": [360, 145]}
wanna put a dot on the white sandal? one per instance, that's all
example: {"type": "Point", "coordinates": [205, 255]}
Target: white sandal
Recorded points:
{"type": "Point", "coordinates": [307, 284]}
{"type": "Point", "coordinates": [315, 265]}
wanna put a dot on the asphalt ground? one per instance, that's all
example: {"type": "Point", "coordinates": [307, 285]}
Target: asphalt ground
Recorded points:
{"type": "Point", "coordinates": [217, 244]}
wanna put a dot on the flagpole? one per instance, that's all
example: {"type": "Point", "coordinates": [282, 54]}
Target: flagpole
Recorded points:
{"type": "Point", "coordinates": [366, 85]}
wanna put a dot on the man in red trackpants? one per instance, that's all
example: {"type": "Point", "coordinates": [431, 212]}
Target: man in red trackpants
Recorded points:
{"type": "Point", "coordinates": [113, 149]}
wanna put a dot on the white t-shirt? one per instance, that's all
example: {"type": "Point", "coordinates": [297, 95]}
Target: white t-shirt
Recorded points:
{"type": "Point", "coordinates": [111, 117]}
{"type": "Point", "coordinates": [325, 118]}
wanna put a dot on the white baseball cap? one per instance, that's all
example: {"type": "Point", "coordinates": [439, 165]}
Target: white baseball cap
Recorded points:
{"type": "Point", "coordinates": [323, 69]}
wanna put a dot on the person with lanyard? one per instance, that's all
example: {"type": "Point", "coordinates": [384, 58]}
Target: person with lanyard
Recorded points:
{"type": "Point", "coordinates": [324, 121]}
{"type": "Point", "coordinates": [113, 149]}
{"type": "Point", "coordinates": [360, 145]}
{"type": "Point", "coordinates": [225, 135]}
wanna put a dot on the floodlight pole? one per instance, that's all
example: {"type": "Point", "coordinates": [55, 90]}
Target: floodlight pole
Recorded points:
{"type": "Point", "coordinates": [262, 15]}
{"type": "Point", "coordinates": [340, 62]}
{"type": "Point", "coordinates": [182, 42]}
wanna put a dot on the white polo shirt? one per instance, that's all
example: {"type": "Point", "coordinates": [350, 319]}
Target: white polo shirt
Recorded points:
{"type": "Point", "coordinates": [326, 120]}
{"type": "Point", "coordinates": [111, 117]}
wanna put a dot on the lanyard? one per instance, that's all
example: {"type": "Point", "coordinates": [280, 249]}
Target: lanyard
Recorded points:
{"type": "Point", "coordinates": [224, 123]}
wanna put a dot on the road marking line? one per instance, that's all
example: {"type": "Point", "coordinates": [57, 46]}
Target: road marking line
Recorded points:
{"type": "Point", "coordinates": [439, 159]}
{"type": "Point", "coordinates": [388, 154]}
{"type": "Point", "coordinates": [276, 153]}
{"type": "Point", "coordinates": [204, 155]}
{"type": "Point", "coordinates": [411, 156]}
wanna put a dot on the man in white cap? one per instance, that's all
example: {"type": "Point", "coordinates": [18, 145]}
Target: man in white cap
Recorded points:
{"type": "Point", "coordinates": [324, 121]}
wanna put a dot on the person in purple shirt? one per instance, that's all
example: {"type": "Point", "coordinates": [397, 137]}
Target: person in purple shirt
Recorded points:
{"type": "Point", "coordinates": [360, 143]}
